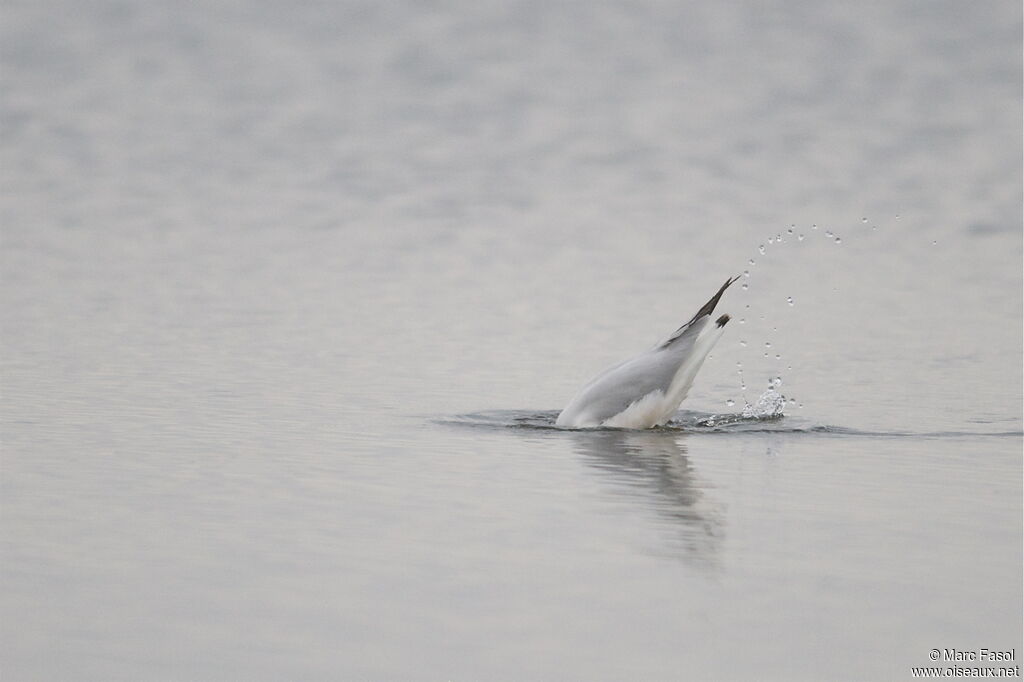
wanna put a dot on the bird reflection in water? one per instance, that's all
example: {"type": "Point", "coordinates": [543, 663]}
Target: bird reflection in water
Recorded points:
{"type": "Point", "coordinates": [654, 465]}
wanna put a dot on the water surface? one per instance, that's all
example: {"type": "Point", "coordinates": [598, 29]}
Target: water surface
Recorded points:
{"type": "Point", "coordinates": [291, 296]}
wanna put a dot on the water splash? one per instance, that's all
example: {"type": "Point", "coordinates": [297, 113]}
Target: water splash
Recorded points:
{"type": "Point", "coordinates": [768, 406]}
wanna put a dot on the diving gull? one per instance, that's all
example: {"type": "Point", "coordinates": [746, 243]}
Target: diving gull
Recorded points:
{"type": "Point", "coordinates": [646, 390]}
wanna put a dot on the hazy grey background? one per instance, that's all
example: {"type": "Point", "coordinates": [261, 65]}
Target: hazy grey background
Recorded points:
{"type": "Point", "coordinates": [260, 260]}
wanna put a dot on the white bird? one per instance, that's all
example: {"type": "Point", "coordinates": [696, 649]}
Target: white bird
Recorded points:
{"type": "Point", "coordinates": [646, 390]}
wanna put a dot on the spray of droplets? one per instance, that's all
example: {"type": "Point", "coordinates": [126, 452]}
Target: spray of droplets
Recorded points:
{"type": "Point", "coordinates": [791, 233]}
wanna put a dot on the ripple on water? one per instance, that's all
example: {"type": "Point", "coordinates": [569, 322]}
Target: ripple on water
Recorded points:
{"type": "Point", "coordinates": [761, 417]}
{"type": "Point", "coordinates": [685, 420]}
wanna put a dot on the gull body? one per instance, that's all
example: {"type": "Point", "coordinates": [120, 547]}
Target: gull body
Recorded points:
{"type": "Point", "coordinates": [646, 390]}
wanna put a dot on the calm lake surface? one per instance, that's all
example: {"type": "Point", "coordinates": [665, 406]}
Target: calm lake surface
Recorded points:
{"type": "Point", "coordinates": [292, 294]}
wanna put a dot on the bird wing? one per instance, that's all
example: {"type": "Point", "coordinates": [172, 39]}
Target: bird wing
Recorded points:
{"type": "Point", "coordinates": [689, 330]}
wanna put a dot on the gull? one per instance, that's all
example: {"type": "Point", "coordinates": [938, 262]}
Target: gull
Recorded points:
{"type": "Point", "coordinates": [646, 390]}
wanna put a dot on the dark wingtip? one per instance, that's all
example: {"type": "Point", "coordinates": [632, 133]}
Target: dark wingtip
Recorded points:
{"type": "Point", "coordinates": [706, 309]}
{"type": "Point", "coordinates": [709, 307]}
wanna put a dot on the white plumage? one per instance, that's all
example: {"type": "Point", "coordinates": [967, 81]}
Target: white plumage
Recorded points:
{"type": "Point", "coordinates": [646, 390]}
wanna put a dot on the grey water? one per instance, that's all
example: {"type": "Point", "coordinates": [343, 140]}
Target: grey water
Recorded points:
{"type": "Point", "coordinates": [293, 292]}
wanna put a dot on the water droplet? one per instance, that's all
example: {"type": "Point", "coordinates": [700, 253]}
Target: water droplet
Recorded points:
{"type": "Point", "coordinates": [814, 226]}
{"type": "Point", "coordinates": [743, 343]}
{"type": "Point", "coordinates": [739, 363]}
{"type": "Point", "coordinates": [828, 233]}
{"type": "Point", "coordinates": [766, 354]}
{"type": "Point", "coordinates": [800, 237]}
{"type": "Point", "coordinates": [790, 230]}
{"type": "Point", "coordinates": [771, 240]}
{"type": "Point", "coordinates": [746, 273]}
{"type": "Point", "coordinates": [778, 238]}
{"type": "Point", "coordinates": [789, 300]}
{"type": "Point", "coordinates": [863, 220]}
{"type": "Point", "coordinates": [767, 344]}
{"type": "Point", "coordinates": [800, 406]}
{"type": "Point", "coordinates": [935, 243]}
{"type": "Point", "coordinates": [792, 401]}
{"type": "Point", "coordinates": [761, 249]}
{"type": "Point", "coordinates": [745, 286]}
{"type": "Point", "coordinates": [743, 320]}
{"type": "Point", "coordinates": [897, 216]}
{"type": "Point", "coordinates": [750, 262]}
{"type": "Point", "coordinates": [730, 402]}
{"type": "Point", "coordinates": [778, 357]}
{"type": "Point", "coordinates": [874, 227]}
{"type": "Point", "coordinates": [838, 240]}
